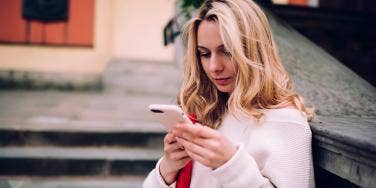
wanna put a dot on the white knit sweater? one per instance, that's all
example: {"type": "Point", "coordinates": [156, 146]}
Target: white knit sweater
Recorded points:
{"type": "Point", "coordinates": [276, 153]}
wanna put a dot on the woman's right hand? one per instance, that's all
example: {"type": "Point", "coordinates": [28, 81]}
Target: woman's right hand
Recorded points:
{"type": "Point", "coordinates": [173, 160]}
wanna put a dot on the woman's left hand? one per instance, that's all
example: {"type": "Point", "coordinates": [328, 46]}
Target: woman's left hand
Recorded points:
{"type": "Point", "coordinates": [205, 145]}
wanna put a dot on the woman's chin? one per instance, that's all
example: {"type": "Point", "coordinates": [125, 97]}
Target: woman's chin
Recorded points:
{"type": "Point", "coordinates": [225, 89]}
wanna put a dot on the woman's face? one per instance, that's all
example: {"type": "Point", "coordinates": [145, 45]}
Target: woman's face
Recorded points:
{"type": "Point", "coordinates": [215, 59]}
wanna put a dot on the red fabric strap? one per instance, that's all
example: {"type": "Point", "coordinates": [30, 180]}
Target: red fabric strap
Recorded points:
{"type": "Point", "coordinates": [184, 175]}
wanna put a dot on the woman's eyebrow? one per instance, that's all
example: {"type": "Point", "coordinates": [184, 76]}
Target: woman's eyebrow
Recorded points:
{"type": "Point", "coordinates": [203, 48]}
{"type": "Point", "coordinates": [222, 46]}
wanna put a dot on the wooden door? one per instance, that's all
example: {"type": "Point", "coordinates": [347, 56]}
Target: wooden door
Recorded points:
{"type": "Point", "coordinates": [77, 30]}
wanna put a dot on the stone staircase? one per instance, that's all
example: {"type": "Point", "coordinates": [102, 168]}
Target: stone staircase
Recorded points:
{"type": "Point", "coordinates": [54, 138]}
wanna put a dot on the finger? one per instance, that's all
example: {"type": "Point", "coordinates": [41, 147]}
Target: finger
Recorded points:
{"type": "Point", "coordinates": [197, 130]}
{"type": "Point", "coordinates": [198, 158]}
{"type": "Point", "coordinates": [204, 142]}
{"type": "Point", "coordinates": [173, 147]}
{"type": "Point", "coordinates": [179, 144]}
{"type": "Point", "coordinates": [187, 136]}
{"type": "Point", "coordinates": [197, 149]}
{"type": "Point", "coordinates": [178, 155]}
{"type": "Point", "coordinates": [210, 144]}
{"type": "Point", "coordinates": [169, 138]}
{"type": "Point", "coordinates": [183, 134]}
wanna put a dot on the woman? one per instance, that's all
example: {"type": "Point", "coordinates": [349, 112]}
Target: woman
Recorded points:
{"type": "Point", "coordinates": [253, 129]}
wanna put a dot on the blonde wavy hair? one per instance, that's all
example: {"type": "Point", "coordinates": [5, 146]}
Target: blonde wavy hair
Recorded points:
{"type": "Point", "coordinates": [261, 81]}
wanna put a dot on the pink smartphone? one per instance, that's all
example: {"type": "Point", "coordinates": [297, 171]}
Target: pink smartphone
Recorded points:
{"type": "Point", "coordinates": [169, 115]}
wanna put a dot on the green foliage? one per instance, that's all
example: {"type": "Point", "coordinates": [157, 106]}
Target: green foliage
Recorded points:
{"type": "Point", "coordinates": [195, 3]}
{"type": "Point", "coordinates": [188, 6]}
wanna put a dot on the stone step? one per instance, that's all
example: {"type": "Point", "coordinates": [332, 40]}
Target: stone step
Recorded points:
{"type": "Point", "coordinates": [142, 77]}
{"type": "Point", "coordinates": [52, 107]}
{"type": "Point", "coordinates": [78, 118]}
{"type": "Point", "coordinates": [76, 161]}
{"type": "Point", "coordinates": [130, 133]}
{"type": "Point", "coordinates": [73, 182]}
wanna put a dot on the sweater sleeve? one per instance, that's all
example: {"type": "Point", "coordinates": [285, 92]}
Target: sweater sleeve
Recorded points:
{"type": "Point", "coordinates": [278, 154]}
{"type": "Point", "coordinates": [241, 171]}
{"type": "Point", "coordinates": [155, 179]}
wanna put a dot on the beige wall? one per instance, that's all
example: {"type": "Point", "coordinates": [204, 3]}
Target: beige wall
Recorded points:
{"type": "Point", "coordinates": [139, 29]}
{"type": "Point", "coordinates": [130, 29]}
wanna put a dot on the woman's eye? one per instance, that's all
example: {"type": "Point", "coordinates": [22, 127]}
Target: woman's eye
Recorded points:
{"type": "Point", "coordinates": [204, 54]}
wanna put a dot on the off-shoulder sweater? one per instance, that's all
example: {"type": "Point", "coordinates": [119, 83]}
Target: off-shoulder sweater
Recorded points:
{"type": "Point", "coordinates": [275, 153]}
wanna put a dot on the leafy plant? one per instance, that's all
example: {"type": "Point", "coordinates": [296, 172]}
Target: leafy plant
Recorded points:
{"type": "Point", "coordinates": [188, 6]}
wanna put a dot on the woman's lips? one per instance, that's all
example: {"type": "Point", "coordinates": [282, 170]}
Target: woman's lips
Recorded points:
{"type": "Point", "coordinates": [222, 81]}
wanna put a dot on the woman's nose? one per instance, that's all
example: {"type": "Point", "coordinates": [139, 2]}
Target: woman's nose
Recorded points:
{"type": "Point", "coordinates": [215, 64]}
